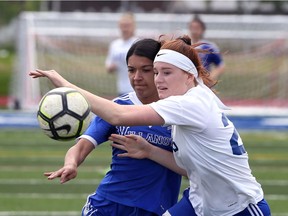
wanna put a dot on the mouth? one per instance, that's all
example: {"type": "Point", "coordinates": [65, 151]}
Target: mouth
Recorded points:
{"type": "Point", "coordinates": [161, 88]}
{"type": "Point", "coordinates": [137, 85]}
{"type": "Point", "coordinates": [140, 86]}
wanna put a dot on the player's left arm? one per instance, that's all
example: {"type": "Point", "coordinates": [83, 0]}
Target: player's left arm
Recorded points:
{"type": "Point", "coordinates": [215, 58]}
{"type": "Point", "coordinates": [137, 147]}
{"type": "Point", "coordinates": [217, 71]}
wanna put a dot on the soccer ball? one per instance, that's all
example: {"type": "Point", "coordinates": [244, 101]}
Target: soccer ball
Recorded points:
{"type": "Point", "coordinates": [64, 114]}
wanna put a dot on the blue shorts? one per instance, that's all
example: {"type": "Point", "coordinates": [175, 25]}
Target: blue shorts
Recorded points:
{"type": "Point", "coordinates": [261, 209]}
{"type": "Point", "coordinates": [183, 207]}
{"type": "Point", "coordinates": [103, 207]}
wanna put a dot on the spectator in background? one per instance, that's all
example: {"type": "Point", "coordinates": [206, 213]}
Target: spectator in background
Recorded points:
{"type": "Point", "coordinates": [211, 60]}
{"type": "Point", "coordinates": [115, 61]}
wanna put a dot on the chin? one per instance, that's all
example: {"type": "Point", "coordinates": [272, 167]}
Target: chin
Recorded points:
{"type": "Point", "coordinates": [163, 96]}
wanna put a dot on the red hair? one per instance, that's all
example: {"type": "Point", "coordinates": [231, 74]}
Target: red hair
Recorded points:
{"type": "Point", "coordinates": [183, 45]}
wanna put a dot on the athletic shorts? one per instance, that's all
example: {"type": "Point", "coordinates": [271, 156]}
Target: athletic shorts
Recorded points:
{"type": "Point", "coordinates": [103, 207]}
{"type": "Point", "coordinates": [185, 208]}
{"type": "Point", "coordinates": [261, 209]}
{"type": "Point", "coordinates": [182, 208]}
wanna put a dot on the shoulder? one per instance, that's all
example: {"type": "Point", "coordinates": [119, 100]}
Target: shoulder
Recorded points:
{"type": "Point", "coordinates": [208, 45]}
{"type": "Point", "coordinates": [116, 42]}
{"type": "Point", "coordinates": [128, 99]}
{"type": "Point", "coordinates": [193, 99]}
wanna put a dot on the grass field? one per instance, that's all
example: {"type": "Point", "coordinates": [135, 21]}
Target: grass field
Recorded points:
{"type": "Point", "coordinates": [26, 154]}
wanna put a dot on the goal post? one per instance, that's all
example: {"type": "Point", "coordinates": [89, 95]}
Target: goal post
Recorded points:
{"type": "Point", "coordinates": [75, 44]}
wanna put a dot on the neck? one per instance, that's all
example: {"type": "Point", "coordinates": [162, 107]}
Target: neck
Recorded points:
{"type": "Point", "coordinates": [150, 99]}
{"type": "Point", "coordinates": [125, 38]}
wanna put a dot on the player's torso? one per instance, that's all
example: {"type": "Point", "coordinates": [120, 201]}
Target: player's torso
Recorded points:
{"type": "Point", "coordinates": [141, 183]}
{"type": "Point", "coordinates": [216, 161]}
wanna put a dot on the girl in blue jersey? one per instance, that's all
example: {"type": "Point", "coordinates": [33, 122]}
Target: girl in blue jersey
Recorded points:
{"type": "Point", "coordinates": [131, 187]}
{"type": "Point", "coordinates": [205, 142]}
{"type": "Point", "coordinates": [212, 59]}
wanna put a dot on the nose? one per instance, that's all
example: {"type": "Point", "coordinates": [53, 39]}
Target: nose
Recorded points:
{"type": "Point", "coordinates": [158, 78]}
{"type": "Point", "coordinates": [137, 75]}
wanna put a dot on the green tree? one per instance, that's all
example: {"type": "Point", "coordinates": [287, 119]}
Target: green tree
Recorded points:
{"type": "Point", "coordinates": [10, 9]}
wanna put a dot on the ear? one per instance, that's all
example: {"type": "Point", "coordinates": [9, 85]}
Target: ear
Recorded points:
{"type": "Point", "coordinates": [190, 80]}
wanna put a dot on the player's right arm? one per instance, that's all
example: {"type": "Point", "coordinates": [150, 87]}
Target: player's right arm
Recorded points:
{"type": "Point", "coordinates": [73, 158]}
{"type": "Point", "coordinates": [111, 112]}
{"type": "Point", "coordinates": [110, 64]}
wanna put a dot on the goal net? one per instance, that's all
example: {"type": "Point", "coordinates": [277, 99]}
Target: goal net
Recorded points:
{"type": "Point", "coordinates": [254, 49]}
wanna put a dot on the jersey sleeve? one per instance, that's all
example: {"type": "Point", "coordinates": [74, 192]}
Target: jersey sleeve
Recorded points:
{"type": "Point", "coordinates": [185, 111]}
{"type": "Point", "coordinates": [98, 131]}
{"type": "Point", "coordinates": [215, 56]}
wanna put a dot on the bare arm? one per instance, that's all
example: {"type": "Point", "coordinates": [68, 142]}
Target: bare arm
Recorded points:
{"type": "Point", "coordinates": [74, 157]}
{"type": "Point", "coordinates": [113, 113]}
{"type": "Point", "coordinates": [111, 68]}
{"type": "Point", "coordinates": [138, 147]}
{"type": "Point", "coordinates": [216, 72]}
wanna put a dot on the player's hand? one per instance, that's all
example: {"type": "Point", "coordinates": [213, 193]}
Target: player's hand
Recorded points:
{"type": "Point", "coordinates": [112, 68]}
{"type": "Point", "coordinates": [65, 174]}
{"type": "Point", "coordinates": [56, 79]}
{"type": "Point", "coordinates": [136, 146]}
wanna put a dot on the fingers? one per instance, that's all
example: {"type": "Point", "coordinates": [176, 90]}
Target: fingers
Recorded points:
{"type": "Point", "coordinates": [47, 173]}
{"type": "Point", "coordinates": [40, 73]}
{"type": "Point", "coordinates": [53, 175]}
{"type": "Point", "coordinates": [35, 74]}
{"type": "Point", "coordinates": [123, 155]}
{"type": "Point", "coordinates": [133, 136]}
{"type": "Point", "coordinates": [66, 177]}
{"type": "Point", "coordinates": [121, 147]}
{"type": "Point", "coordinates": [123, 139]}
{"type": "Point", "coordinates": [117, 139]}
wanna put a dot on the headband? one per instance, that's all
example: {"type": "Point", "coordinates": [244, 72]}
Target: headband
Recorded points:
{"type": "Point", "coordinates": [183, 62]}
{"type": "Point", "coordinates": [177, 59]}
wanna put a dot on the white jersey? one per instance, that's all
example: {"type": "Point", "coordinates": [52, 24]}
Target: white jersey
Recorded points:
{"type": "Point", "coordinates": [117, 55]}
{"type": "Point", "coordinates": [209, 148]}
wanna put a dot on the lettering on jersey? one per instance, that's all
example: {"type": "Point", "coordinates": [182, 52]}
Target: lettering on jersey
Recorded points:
{"type": "Point", "coordinates": [158, 139]}
{"type": "Point", "coordinates": [135, 133]}
{"type": "Point", "coordinates": [175, 147]}
{"type": "Point", "coordinates": [122, 130]}
{"type": "Point", "coordinates": [150, 137]}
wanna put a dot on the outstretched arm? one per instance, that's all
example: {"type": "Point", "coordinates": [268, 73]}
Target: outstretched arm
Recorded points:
{"type": "Point", "coordinates": [138, 147]}
{"type": "Point", "coordinates": [216, 72]}
{"type": "Point", "coordinates": [113, 113]}
{"type": "Point", "coordinates": [74, 157]}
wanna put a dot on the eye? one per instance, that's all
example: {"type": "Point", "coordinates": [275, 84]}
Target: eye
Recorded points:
{"type": "Point", "coordinates": [131, 70]}
{"type": "Point", "coordinates": [147, 70]}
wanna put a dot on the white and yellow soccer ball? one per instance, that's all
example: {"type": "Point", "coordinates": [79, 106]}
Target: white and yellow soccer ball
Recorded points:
{"type": "Point", "coordinates": [64, 114]}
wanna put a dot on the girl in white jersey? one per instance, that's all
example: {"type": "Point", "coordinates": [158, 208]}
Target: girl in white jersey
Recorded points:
{"type": "Point", "coordinates": [207, 145]}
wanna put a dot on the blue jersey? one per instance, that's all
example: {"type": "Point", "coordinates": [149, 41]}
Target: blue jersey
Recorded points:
{"type": "Point", "coordinates": [133, 182]}
{"type": "Point", "coordinates": [213, 57]}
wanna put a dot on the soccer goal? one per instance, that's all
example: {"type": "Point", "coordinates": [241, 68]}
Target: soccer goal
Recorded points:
{"type": "Point", "coordinates": [254, 49]}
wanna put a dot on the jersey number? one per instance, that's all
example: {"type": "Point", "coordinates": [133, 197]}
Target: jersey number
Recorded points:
{"type": "Point", "coordinates": [236, 148]}
{"type": "Point", "coordinates": [175, 147]}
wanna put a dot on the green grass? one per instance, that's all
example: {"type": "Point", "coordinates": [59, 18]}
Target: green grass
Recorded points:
{"type": "Point", "coordinates": [26, 154]}
{"type": "Point", "coordinates": [6, 67]}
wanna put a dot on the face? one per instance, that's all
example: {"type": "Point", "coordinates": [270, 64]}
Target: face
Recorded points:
{"type": "Point", "coordinates": [141, 76]}
{"type": "Point", "coordinates": [196, 31]}
{"type": "Point", "coordinates": [127, 28]}
{"type": "Point", "coordinates": [171, 80]}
